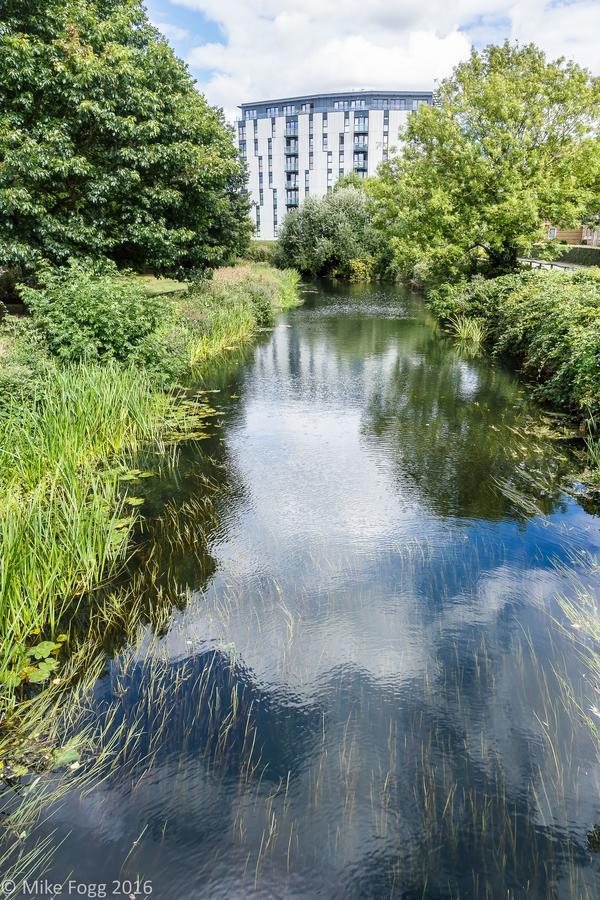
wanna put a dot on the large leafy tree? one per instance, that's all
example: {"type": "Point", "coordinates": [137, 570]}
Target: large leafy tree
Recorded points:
{"type": "Point", "coordinates": [326, 233]}
{"type": "Point", "coordinates": [508, 144]}
{"type": "Point", "coordinates": [106, 147]}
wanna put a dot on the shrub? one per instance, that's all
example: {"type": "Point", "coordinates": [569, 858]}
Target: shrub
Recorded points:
{"type": "Point", "coordinates": [326, 233]}
{"type": "Point", "coordinates": [23, 362]}
{"type": "Point", "coordinates": [86, 315]}
{"type": "Point", "coordinates": [262, 298]}
{"type": "Point", "coordinates": [261, 251]}
{"type": "Point", "coordinates": [361, 269]}
{"type": "Point", "coordinates": [549, 320]}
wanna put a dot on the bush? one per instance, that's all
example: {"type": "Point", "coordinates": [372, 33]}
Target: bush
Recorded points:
{"type": "Point", "coordinates": [23, 362]}
{"type": "Point", "coordinates": [86, 315]}
{"type": "Point", "coordinates": [581, 256]}
{"type": "Point", "coordinates": [326, 233]}
{"type": "Point", "coordinates": [262, 298]}
{"type": "Point", "coordinates": [261, 251]}
{"type": "Point", "coordinates": [549, 320]}
{"type": "Point", "coordinates": [361, 269]}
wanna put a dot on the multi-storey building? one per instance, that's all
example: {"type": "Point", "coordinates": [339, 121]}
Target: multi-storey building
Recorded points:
{"type": "Point", "coordinates": [300, 146]}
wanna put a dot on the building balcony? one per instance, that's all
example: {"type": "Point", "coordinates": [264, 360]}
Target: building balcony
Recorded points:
{"type": "Point", "coordinates": [292, 150]}
{"type": "Point", "coordinates": [360, 146]}
{"type": "Point", "coordinates": [292, 166]}
{"type": "Point", "coordinates": [361, 165]}
{"type": "Point", "coordinates": [292, 204]}
{"type": "Point", "coordinates": [361, 127]}
{"type": "Point", "coordinates": [290, 132]}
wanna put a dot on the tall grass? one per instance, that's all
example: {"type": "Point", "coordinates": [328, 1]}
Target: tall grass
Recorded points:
{"type": "Point", "coordinates": [471, 331]}
{"type": "Point", "coordinates": [231, 308]}
{"type": "Point", "coordinates": [62, 526]}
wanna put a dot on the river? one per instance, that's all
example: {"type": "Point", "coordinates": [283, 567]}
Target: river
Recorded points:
{"type": "Point", "coordinates": [359, 690]}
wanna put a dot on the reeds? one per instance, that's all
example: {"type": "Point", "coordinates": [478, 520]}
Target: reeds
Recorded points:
{"type": "Point", "coordinates": [469, 330]}
{"type": "Point", "coordinates": [62, 525]}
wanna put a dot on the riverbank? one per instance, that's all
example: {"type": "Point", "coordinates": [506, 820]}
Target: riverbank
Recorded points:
{"type": "Point", "coordinates": [547, 323]}
{"type": "Point", "coordinates": [69, 432]}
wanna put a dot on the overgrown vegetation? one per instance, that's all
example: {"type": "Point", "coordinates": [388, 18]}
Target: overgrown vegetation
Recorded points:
{"type": "Point", "coordinates": [83, 389]}
{"type": "Point", "coordinates": [546, 320]}
{"type": "Point", "coordinates": [332, 236]}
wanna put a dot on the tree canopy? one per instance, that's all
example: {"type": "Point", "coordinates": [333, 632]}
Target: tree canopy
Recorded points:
{"type": "Point", "coordinates": [508, 144]}
{"type": "Point", "coordinates": [326, 233]}
{"type": "Point", "coordinates": [106, 147]}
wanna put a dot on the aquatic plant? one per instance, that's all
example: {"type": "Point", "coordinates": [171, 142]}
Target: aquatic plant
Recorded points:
{"type": "Point", "coordinates": [470, 330]}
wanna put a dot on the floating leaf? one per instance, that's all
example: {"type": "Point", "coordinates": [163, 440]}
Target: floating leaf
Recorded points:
{"type": "Point", "coordinates": [65, 756]}
{"type": "Point", "coordinates": [134, 501]}
{"type": "Point", "coordinates": [43, 650]}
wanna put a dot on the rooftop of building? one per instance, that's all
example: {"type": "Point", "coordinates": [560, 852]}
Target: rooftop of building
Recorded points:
{"type": "Point", "coordinates": [332, 101]}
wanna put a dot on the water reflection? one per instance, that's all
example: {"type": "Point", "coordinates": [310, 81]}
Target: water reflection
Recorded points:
{"type": "Point", "coordinates": [359, 692]}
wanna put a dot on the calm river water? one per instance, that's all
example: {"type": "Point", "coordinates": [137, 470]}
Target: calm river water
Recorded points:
{"type": "Point", "coordinates": [361, 691]}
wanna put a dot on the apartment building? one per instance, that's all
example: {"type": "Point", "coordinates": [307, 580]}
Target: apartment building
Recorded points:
{"type": "Point", "coordinates": [299, 146]}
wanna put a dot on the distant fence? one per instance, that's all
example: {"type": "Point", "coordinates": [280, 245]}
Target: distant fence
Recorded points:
{"type": "Point", "coordinates": [547, 264]}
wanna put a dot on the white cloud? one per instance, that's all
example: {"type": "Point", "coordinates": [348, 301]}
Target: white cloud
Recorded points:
{"type": "Point", "coordinates": [274, 48]}
{"type": "Point", "coordinates": [173, 32]}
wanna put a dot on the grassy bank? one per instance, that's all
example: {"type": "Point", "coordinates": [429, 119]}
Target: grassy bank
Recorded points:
{"type": "Point", "coordinates": [70, 424]}
{"type": "Point", "coordinates": [549, 323]}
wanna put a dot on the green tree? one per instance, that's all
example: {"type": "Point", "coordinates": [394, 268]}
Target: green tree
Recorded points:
{"type": "Point", "coordinates": [106, 147]}
{"type": "Point", "coordinates": [326, 233]}
{"type": "Point", "coordinates": [508, 144]}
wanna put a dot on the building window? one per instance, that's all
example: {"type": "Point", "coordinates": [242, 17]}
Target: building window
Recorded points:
{"type": "Point", "coordinates": [261, 197]}
{"type": "Point", "coordinates": [272, 127]}
{"type": "Point", "coordinates": [260, 164]}
{"type": "Point", "coordinates": [341, 171]}
{"type": "Point", "coordinates": [289, 110]}
{"type": "Point", "coordinates": [311, 160]}
{"type": "Point", "coordinates": [272, 110]}
{"type": "Point", "coordinates": [306, 107]}
{"type": "Point", "coordinates": [347, 120]}
{"type": "Point", "coordinates": [324, 120]}
{"type": "Point", "coordinates": [250, 114]}
{"type": "Point", "coordinates": [341, 140]}
{"type": "Point", "coordinates": [324, 140]}
{"type": "Point", "coordinates": [341, 156]}
{"type": "Point", "coordinates": [552, 232]}
{"type": "Point", "coordinates": [270, 178]}
{"type": "Point", "coordinates": [256, 148]}
{"type": "Point", "coordinates": [243, 148]}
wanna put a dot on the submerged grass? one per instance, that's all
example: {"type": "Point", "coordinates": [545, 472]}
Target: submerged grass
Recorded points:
{"type": "Point", "coordinates": [67, 435]}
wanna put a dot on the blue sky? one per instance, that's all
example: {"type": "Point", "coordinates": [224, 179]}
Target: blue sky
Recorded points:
{"type": "Point", "coordinates": [241, 50]}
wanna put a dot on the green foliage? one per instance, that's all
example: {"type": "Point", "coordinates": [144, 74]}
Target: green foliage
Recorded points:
{"type": "Point", "coordinates": [362, 269]}
{"type": "Point", "coordinates": [549, 320]}
{"type": "Point", "coordinates": [508, 144]}
{"type": "Point", "coordinates": [325, 234]}
{"type": "Point", "coordinates": [261, 251]}
{"type": "Point", "coordinates": [23, 362]}
{"type": "Point", "coordinates": [581, 256]}
{"type": "Point", "coordinates": [468, 330]}
{"type": "Point", "coordinates": [106, 147]}
{"type": "Point", "coordinates": [84, 315]}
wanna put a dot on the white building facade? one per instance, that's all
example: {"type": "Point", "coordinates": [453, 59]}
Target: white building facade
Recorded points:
{"type": "Point", "coordinates": [299, 146]}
